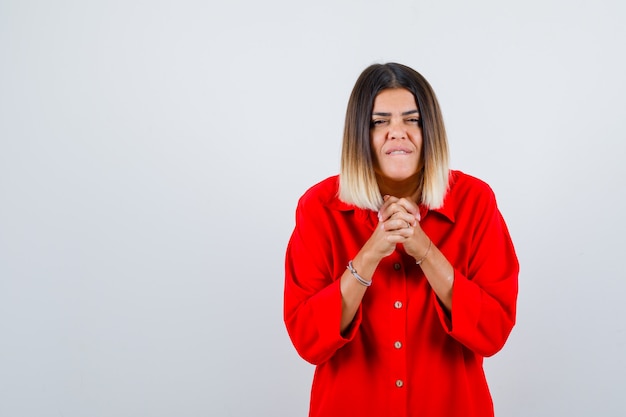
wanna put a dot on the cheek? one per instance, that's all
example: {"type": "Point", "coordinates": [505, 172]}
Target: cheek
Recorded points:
{"type": "Point", "coordinates": [417, 138]}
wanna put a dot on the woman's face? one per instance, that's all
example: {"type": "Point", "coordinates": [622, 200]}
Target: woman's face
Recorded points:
{"type": "Point", "coordinates": [396, 135]}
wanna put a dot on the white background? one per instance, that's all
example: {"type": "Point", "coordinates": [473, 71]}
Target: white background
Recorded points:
{"type": "Point", "coordinates": [151, 157]}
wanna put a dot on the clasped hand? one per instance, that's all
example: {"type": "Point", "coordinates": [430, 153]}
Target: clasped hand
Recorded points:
{"type": "Point", "coordinates": [398, 224]}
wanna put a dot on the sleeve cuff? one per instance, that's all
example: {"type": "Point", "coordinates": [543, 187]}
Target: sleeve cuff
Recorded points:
{"type": "Point", "coordinates": [329, 317]}
{"type": "Point", "coordinates": [465, 306]}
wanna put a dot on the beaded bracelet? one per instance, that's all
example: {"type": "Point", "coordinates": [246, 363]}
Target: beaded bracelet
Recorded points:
{"type": "Point", "coordinates": [358, 277]}
{"type": "Point", "coordinates": [430, 243]}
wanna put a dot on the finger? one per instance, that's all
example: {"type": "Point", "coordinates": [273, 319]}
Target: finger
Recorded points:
{"type": "Point", "coordinates": [406, 216]}
{"type": "Point", "coordinates": [390, 209]}
{"type": "Point", "coordinates": [403, 209]}
{"type": "Point", "coordinates": [387, 201]}
{"type": "Point", "coordinates": [402, 221]}
{"type": "Point", "coordinates": [399, 236]}
{"type": "Point", "coordinates": [408, 206]}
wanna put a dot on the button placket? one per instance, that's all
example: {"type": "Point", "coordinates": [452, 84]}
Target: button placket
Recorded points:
{"type": "Point", "coordinates": [397, 334]}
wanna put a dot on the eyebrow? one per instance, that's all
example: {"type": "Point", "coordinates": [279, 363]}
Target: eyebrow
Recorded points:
{"type": "Point", "coordinates": [406, 113]}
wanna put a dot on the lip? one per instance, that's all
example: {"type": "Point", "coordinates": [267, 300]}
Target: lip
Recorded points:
{"type": "Point", "coordinates": [398, 151]}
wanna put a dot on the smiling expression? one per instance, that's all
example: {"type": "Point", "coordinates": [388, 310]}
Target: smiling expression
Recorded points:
{"type": "Point", "coordinates": [396, 136]}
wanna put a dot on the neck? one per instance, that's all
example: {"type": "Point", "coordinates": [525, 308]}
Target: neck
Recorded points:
{"type": "Point", "coordinates": [409, 188]}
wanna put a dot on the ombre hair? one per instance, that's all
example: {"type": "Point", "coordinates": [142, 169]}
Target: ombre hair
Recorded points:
{"type": "Point", "coordinates": [357, 179]}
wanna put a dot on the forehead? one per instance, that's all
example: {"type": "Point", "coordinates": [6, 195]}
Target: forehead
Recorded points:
{"type": "Point", "coordinates": [394, 99]}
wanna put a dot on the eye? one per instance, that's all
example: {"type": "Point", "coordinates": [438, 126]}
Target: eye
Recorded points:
{"type": "Point", "coordinates": [378, 122]}
{"type": "Point", "coordinates": [415, 121]}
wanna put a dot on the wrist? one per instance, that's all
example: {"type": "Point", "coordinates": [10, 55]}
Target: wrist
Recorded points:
{"type": "Point", "coordinates": [418, 261]}
{"type": "Point", "coordinates": [365, 263]}
{"type": "Point", "coordinates": [357, 276]}
{"type": "Point", "coordinates": [367, 260]}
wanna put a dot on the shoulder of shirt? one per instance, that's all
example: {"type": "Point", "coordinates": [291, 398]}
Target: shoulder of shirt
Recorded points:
{"type": "Point", "coordinates": [463, 186]}
{"type": "Point", "coordinates": [464, 190]}
{"type": "Point", "coordinates": [461, 180]}
{"type": "Point", "coordinates": [324, 193]}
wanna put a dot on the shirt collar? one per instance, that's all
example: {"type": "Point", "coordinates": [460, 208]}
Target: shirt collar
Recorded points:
{"type": "Point", "coordinates": [449, 203]}
{"type": "Point", "coordinates": [446, 210]}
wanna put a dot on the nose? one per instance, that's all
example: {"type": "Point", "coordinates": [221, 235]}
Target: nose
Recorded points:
{"type": "Point", "coordinates": [396, 131]}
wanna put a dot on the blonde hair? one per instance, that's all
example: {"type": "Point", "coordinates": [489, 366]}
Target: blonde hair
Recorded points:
{"type": "Point", "coordinates": [357, 179]}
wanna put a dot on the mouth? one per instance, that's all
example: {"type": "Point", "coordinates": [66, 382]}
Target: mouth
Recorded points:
{"type": "Point", "coordinates": [398, 152]}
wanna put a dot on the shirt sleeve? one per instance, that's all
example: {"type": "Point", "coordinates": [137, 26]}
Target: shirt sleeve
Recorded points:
{"type": "Point", "coordinates": [484, 298]}
{"type": "Point", "coordinates": [312, 298]}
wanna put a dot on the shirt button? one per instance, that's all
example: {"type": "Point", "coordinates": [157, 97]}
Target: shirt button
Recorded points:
{"type": "Point", "coordinates": [397, 345]}
{"type": "Point", "coordinates": [397, 304]}
{"type": "Point", "coordinates": [397, 266]}
{"type": "Point", "coordinates": [399, 383]}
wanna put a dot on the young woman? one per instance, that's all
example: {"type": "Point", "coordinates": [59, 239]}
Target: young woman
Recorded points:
{"type": "Point", "coordinates": [400, 273]}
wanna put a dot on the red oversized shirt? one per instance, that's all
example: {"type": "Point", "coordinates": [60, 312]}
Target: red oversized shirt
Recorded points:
{"type": "Point", "coordinates": [403, 355]}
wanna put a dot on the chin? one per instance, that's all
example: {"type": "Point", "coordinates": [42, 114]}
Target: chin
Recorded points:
{"type": "Point", "coordinates": [400, 175]}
